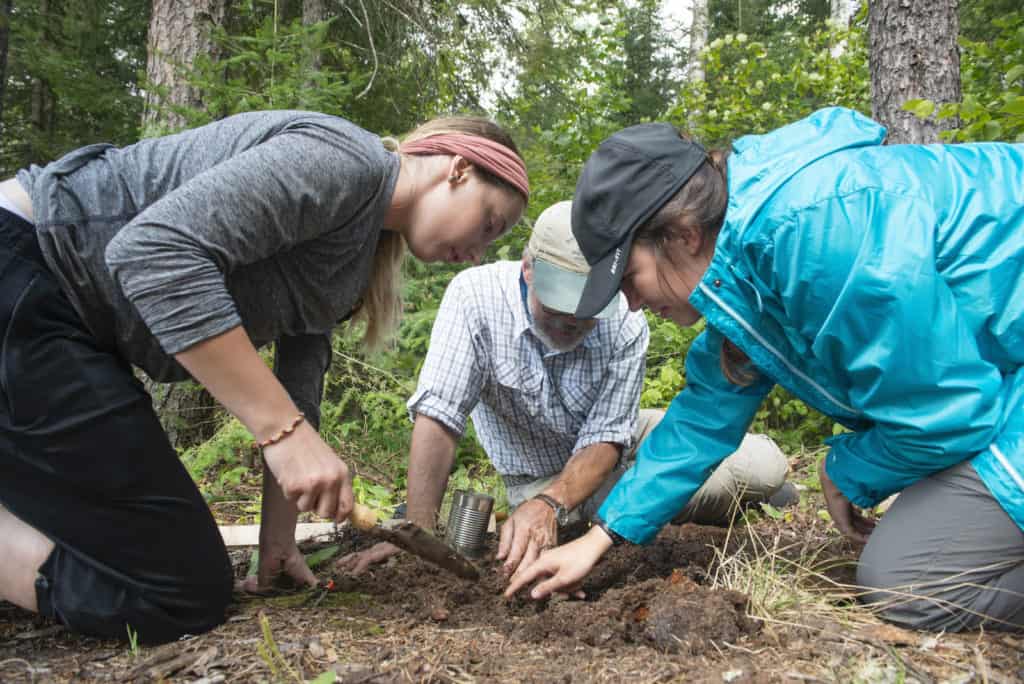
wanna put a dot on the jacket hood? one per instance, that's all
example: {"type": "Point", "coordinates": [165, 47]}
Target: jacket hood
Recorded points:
{"type": "Point", "coordinates": [760, 164]}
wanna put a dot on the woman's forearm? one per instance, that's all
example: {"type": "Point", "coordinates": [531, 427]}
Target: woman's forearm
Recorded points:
{"type": "Point", "coordinates": [231, 369]}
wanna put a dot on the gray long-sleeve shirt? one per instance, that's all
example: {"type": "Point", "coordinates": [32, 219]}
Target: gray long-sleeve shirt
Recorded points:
{"type": "Point", "coordinates": [267, 220]}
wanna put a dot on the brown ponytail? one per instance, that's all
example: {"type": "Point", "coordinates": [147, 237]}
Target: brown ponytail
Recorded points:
{"type": "Point", "coordinates": [700, 204]}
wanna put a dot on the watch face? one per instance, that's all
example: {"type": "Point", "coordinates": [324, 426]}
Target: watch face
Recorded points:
{"type": "Point", "coordinates": [561, 516]}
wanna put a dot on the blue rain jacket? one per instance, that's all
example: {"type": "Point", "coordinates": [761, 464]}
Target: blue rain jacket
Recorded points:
{"type": "Point", "coordinates": [884, 286]}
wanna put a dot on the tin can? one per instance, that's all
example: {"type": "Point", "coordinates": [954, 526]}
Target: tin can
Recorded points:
{"type": "Point", "coordinates": [467, 522]}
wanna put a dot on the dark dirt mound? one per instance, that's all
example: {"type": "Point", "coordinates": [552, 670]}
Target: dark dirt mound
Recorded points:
{"type": "Point", "coordinates": [650, 595]}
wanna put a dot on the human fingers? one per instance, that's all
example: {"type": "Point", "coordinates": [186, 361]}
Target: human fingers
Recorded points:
{"type": "Point", "coordinates": [533, 551]}
{"type": "Point", "coordinates": [327, 504]}
{"type": "Point", "coordinates": [851, 524]}
{"type": "Point", "coordinates": [508, 531]}
{"type": "Point", "coordinates": [347, 562]}
{"type": "Point", "coordinates": [297, 569]}
{"type": "Point", "coordinates": [358, 563]}
{"type": "Point", "coordinates": [378, 554]}
{"type": "Point", "coordinates": [527, 574]}
{"type": "Point", "coordinates": [520, 540]}
{"type": "Point", "coordinates": [346, 498]}
{"type": "Point", "coordinates": [307, 499]}
{"type": "Point", "coordinates": [558, 582]}
{"type": "Point", "coordinates": [863, 524]}
{"type": "Point", "coordinates": [249, 585]}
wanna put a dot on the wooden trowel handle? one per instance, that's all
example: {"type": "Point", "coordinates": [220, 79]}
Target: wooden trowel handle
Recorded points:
{"type": "Point", "coordinates": [363, 517]}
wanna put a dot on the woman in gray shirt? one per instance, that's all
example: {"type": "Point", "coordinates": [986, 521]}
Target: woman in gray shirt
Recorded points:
{"type": "Point", "coordinates": [182, 255]}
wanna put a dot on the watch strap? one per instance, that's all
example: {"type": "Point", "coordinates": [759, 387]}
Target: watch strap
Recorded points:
{"type": "Point", "coordinates": [560, 510]}
{"type": "Point", "coordinates": [617, 539]}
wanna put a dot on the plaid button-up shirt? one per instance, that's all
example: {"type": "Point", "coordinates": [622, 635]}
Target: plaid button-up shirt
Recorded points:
{"type": "Point", "coordinates": [532, 408]}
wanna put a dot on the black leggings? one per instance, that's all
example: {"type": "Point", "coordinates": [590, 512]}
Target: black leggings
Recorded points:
{"type": "Point", "coordinates": [83, 459]}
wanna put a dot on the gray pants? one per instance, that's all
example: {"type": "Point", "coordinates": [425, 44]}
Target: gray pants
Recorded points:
{"type": "Point", "coordinates": [946, 556]}
{"type": "Point", "coordinates": [753, 473]}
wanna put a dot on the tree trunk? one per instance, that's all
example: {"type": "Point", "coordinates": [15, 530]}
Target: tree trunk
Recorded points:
{"type": "Point", "coordinates": [841, 12]}
{"type": "Point", "coordinates": [179, 31]}
{"type": "Point", "coordinates": [313, 12]}
{"type": "Point", "coordinates": [913, 55]}
{"type": "Point", "coordinates": [5, 34]}
{"type": "Point", "coordinates": [698, 38]}
{"type": "Point", "coordinates": [41, 109]}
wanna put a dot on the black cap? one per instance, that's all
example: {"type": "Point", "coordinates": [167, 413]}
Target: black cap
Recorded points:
{"type": "Point", "coordinates": [630, 176]}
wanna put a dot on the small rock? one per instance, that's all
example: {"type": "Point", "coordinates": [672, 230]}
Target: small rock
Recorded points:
{"type": "Point", "coordinates": [316, 650]}
{"type": "Point", "coordinates": [439, 615]}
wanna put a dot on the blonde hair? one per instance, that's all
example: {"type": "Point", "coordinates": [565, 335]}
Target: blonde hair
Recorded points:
{"type": "Point", "coordinates": [381, 305]}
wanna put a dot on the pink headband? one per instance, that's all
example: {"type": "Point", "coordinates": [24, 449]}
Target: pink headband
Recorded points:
{"type": "Point", "coordinates": [484, 152]}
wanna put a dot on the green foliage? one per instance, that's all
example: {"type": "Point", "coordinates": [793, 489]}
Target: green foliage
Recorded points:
{"type": "Point", "coordinates": [666, 360]}
{"type": "Point", "coordinates": [269, 65]}
{"type": "Point", "coordinates": [765, 18]}
{"type": "Point", "coordinates": [72, 77]}
{"type": "Point", "coordinates": [317, 558]}
{"type": "Point", "coordinates": [220, 462]}
{"type": "Point", "coordinates": [133, 641]}
{"type": "Point", "coordinates": [271, 654]}
{"type": "Point", "coordinates": [790, 422]}
{"type": "Point", "coordinates": [754, 86]}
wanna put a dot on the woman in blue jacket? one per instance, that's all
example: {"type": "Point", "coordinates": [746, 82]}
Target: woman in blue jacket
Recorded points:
{"type": "Point", "coordinates": [884, 286]}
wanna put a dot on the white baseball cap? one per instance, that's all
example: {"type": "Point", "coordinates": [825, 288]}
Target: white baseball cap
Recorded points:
{"type": "Point", "coordinates": [559, 267]}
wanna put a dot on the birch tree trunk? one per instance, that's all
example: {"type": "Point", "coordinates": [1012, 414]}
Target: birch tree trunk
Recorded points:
{"type": "Point", "coordinates": [841, 12]}
{"type": "Point", "coordinates": [698, 38]}
{"type": "Point", "coordinates": [913, 54]}
{"type": "Point", "coordinates": [179, 31]}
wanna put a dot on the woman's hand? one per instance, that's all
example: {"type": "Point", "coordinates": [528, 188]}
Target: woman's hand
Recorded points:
{"type": "Point", "coordinates": [310, 474]}
{"type": "Point", "coordinates": [850, 521]}
{"type": "Point", "coordinates": [564, 566]}
{"type": "Point", "coordinates": [279, 560]}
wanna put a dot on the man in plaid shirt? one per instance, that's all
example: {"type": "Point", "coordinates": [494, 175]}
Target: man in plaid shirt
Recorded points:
{"type": "Point", "coordinates": [554, 400]}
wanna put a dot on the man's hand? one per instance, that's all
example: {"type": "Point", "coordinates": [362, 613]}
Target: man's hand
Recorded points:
{"type": "Point", "coordinates": [310, 474]}
{"type": "Point", "coordinates": [850, 521]}
{"type": "Point", "coordinates": [528, 531]}
{"type": "Point", "coordinates": [357, 563]}
{"type": "Point", "coordinates": [278, 561]}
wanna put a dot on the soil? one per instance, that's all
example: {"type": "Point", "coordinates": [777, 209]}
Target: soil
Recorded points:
{"type": "Point", "coordinates": [650, 614]}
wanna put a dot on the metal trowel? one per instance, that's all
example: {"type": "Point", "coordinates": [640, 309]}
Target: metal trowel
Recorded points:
{"type": "Point", "coordinates": [410, 537]}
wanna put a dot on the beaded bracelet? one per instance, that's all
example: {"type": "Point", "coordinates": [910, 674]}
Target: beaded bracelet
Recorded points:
{"type": "Point", "coordinates": [283, 433]}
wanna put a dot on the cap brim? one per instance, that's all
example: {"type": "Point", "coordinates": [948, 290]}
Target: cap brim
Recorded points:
{"type": "Point", "coordinates": [560, 289]}
{"type": "Point", "coordinates": [604, 280]}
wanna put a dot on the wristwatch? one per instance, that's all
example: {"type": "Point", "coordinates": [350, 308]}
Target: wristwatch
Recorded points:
{"type": "Point", "coordinates": [561, 512]}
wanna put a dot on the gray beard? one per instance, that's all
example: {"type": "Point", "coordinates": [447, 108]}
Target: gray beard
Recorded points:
{"type": "Point", "coordinates": [550, 343]}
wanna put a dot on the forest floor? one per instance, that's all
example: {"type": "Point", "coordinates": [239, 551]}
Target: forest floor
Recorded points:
{"type": "Point", "coordinates": [769, 601]}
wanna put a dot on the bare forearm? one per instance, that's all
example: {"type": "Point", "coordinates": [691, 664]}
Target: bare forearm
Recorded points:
{"type": "Point", "coordinates": [230, 368]}
{"type": "Point", "coordinates": [431, 456]}
{"type": "Point", "coordinates": [279, 515]}
{"type": "Point", "coordinates": [583, 474]}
